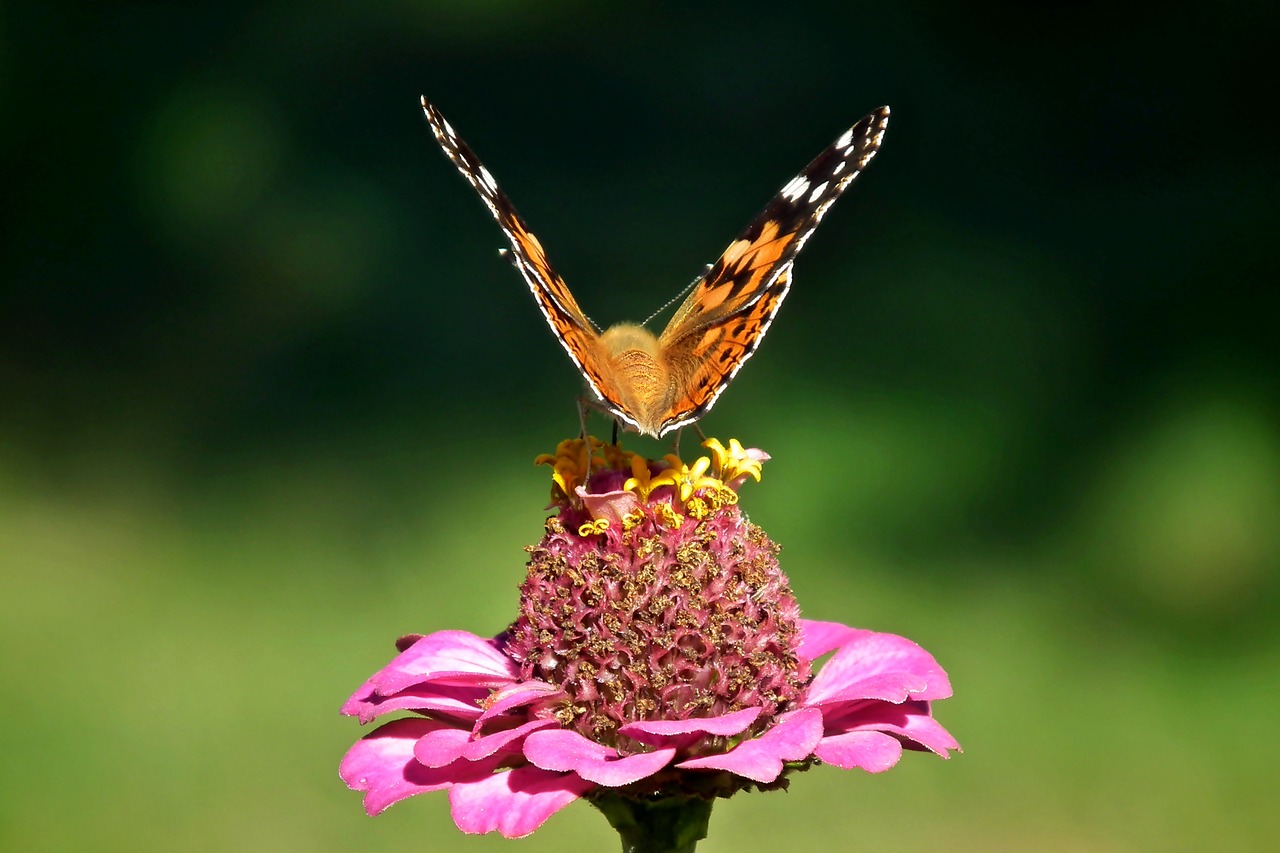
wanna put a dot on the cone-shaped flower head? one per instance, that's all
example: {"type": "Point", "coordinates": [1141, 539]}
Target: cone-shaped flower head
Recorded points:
{"type": "Point", "coordinates": [658, 653]}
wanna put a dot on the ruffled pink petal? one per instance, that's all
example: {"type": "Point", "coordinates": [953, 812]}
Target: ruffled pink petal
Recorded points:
{"type": "Point", "coordinates": [382, 765]}
{"type": "Point", "coordinates": [910, 722]}
{"type": "Point", "coordinates": [444, 746]}
{"type": "Point", "coordinates": [515, 802]}
{"type": "Point", "coordinates": [445, 658]}
{"type": "Point", "coordinates": [872, 751]}
{"type": "Point", "coordinates": [441, 747]}
{"type": "Point", "coordinates": [503, 741]}
{"type": "Point", "coordinates": [515, 696]}
{"type": "Point", "coordinates": [567, 750]}
{"type": "Point", "coordinates": [662, 732]}
{"type": "Point", "coordinates": [892, 687]}
{"type": "Point", "coordinates": [462, 703]}
{"type": "Point", "coordinates": [612, 506]}
{"type": "Point", "coordinates": [818, 638]}
{"type": "Point", "coordinates": [879, 661]}
{"type": "Point", "coordinates": [792, 738]}
{"type": "Point", "coordinates": [929, 733]}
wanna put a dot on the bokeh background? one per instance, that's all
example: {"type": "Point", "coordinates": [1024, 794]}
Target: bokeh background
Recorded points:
{"type": "Point", "coordinates": [269, 397]}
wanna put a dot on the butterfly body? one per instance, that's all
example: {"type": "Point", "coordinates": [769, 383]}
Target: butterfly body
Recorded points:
{"type": "Point", "coordinates": [654, 384]}
{"type": "Point", "coordinates": [642, 384]}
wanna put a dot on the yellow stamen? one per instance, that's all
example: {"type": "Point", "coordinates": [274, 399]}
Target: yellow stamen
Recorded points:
{"type": "Point", "coordinates": [697, 508]}
{"type": "Point", "coordinates": [593, 528]}
{"type": "Point", "coordinates": [686, 479]}
{"type": "Point", "coordinates": [733, 461]}
{"type": "Point", "coordinates": [668, 516]}
{"type": "Point", "coordinates": [614, 457]}
{"type": "Point", "coordinates": [571, 462]}
{"type": "Point", "coordinates": [640, 481]}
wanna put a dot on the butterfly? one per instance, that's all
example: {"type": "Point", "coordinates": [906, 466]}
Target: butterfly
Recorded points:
{"type": "Point", "coordinates": [654, 384]}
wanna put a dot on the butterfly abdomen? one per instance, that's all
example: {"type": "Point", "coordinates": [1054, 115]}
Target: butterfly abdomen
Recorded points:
{"type": "Point", "coordinates": [645, 389]}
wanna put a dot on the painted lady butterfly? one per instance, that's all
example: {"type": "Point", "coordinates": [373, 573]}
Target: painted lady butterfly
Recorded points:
{"type": "Point", "coordinates": [655, 384]}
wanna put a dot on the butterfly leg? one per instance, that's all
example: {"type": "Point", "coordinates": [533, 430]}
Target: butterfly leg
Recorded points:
{"type": "Point", "coordinates": [584, 405]}
{"type": "Point", "coordinates": [587, 404]}
{"type": "Point", "coordinates": [675, 443]}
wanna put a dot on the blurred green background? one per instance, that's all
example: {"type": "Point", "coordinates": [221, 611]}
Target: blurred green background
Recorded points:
{"type": "Point", "coordinates": [269, 397]}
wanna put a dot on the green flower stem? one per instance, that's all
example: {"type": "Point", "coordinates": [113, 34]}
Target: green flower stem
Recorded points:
{"type": "Point", "coordinates": [669, 825]}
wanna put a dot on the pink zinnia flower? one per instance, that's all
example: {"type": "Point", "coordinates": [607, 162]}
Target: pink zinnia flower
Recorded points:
{"type": "Point", "coordinates": [659, 655]}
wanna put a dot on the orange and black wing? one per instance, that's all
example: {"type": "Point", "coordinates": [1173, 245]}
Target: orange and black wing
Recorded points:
{"type": "Point", "coordinates": [569, 324]}
{"type": "Point", "coordinates": [722, 321]}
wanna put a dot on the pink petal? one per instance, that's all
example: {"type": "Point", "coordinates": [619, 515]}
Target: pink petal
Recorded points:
{"type": "Point", "coordinates": [448, 657]}
{"type": "Point", "coordinates": [382, 765]}
{"type": "Point", "coordinates": [517, 695]}
{"type": "Point", "coordinates": [910, 722]}
{"type": "Point", "coordinates": [566, 750]}
{"type": "Point", "coordinates": [482, 747]}
{"type": "Point", "coordinates": [930, 734]}
{"type": "Point", "coordinates": [792, 738]}
{"type": "Point", "coordinates": [893, 687]}
{"type": "Point", "coordinates": [441, 747]}
{"type": "Point", "coordinates": [514, 803]}
{"type": "Point", "coordinates": [872, 751]}
{"type": "Point", "coordinates": [613, 506]}
{"type": "Point", "coordinates": [460, 702]}
{"type": "Point", "coordinates": [659, 732]}
{"type": "Point", "coordinates": [818, 638]}
{"type": "Point", "coordinates": [444, 658]}
{"type": "Point", "coordinates": [868, 655]}
{"type": "Point", "coordinates": [445, 746]}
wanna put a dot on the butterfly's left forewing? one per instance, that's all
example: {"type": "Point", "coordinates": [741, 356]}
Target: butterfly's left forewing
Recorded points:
{"type": "Point", "coordinates": [720, 324]}
{"type": "Point", "coordinates": [569, 324]}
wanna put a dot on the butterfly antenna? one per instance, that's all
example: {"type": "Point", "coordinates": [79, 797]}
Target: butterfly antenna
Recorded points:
{"type": "Point", "coordinates": [506, 253]}
{"type": "Point", "coordinates": [681, 295]}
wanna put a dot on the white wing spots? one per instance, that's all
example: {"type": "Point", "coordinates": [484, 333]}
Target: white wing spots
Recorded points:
{"type": "Point", "coordinates": [818, 212]}
{"type": "Point", "coordinates": [818, 191]}
{"type": "Point", "coordinates": [487, 179]}
{"type": "Point", "coordinates": [795, 188]}
{"type": "Point", "coordinates": [442, 127]}
{"type": "Point", "coordinates": [839, 167]}
{"type": "Point", "coordinates": [845, 140]}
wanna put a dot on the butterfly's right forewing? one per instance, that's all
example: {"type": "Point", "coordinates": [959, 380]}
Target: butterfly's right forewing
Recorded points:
{"type": "Point", "coordinates": [722, 321]}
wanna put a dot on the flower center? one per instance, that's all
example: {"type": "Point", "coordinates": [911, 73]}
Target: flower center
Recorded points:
{"type": "Point", "coordinates": [667, 605]}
